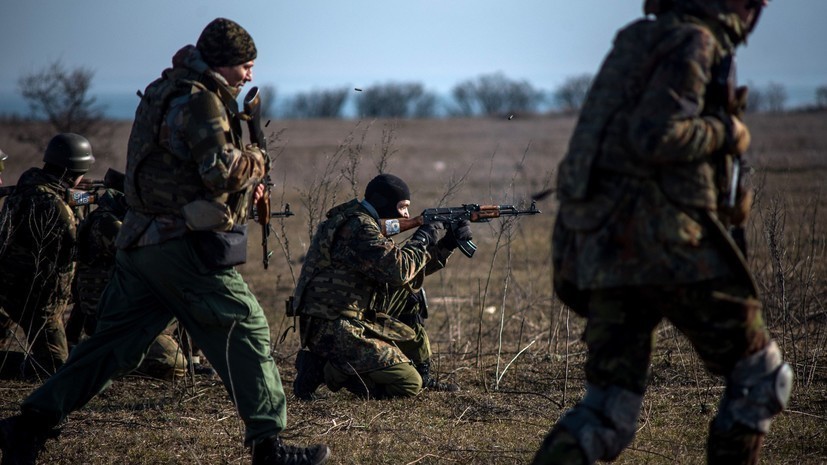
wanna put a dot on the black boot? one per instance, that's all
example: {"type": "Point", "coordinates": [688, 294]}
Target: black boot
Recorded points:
{"type": "Point", "coordinates": [429, 382]}
{"type": "Point", "coordinates": [272, 451]}
{"type": "Point", "coordinates": [22, 437]}
{"type": "Point", "coordinates": [309, 374]}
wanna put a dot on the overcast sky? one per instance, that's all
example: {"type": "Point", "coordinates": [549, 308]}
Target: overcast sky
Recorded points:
{"type": "Point", "coordinates": [312, 44]}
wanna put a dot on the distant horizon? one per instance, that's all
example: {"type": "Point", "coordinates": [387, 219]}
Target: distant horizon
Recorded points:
{"type": "Point", "coordinates": [121, 104]}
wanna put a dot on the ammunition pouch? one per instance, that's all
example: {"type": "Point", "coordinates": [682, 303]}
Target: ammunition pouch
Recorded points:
{"type": "Point", "coordinates": [221, 249]}
{"type": "Point", "coordinates": [383, 326]}
{"type": "Point", "coordinates": [207, 215]}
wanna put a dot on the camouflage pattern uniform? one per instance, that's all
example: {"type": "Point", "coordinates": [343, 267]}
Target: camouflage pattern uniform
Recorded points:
{"type": "Point", "coordinates": [96, 264]}
{"type": "Point", "coordinates": [354, 284]}
{"type": "Point", "coordinates": [187, 169]}
{"type": "Point", "coordinates": [38, 233]}
{"type": "Point", "coordinates": [640, 237]}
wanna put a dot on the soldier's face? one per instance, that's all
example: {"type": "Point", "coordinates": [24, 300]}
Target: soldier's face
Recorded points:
{"type": "Point", "coordinates": [237, 75]}
{"type": "Point", "coordinates": [402, 208]}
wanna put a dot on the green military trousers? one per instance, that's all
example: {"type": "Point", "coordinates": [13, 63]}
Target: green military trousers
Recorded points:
{"type": "Point", "coordinates": [151, 286]}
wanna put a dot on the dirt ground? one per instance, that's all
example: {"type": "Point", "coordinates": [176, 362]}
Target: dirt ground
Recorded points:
{"type": "Point", "coordinates": [495, 327]}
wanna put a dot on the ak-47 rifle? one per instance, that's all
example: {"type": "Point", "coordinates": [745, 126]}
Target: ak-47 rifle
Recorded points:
{"type": "Point", "coordinates": [450, 218]}
{"type": "Point", "coordinates": [730, 100]}
{"type": "Point", "coordinates": [86, 192]}
{"type": "Point", "coordinates": [252, 114]}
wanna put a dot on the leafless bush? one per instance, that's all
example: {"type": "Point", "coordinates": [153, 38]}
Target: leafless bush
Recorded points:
{"type": "Point", "coordinates": [317, 104]}
{"type": "Point", "coordinates": [821, 96]}
{"type": "Point", "coordinates": [395, 100]}
{"type": "Point", "coordinates": [60, 97]}
{"type": "Point", "coordinates": [495, 94]}
{"type": "Point", "coordinates": [776, 97]}
{"type": "Point", "coordinates": [572, 93]}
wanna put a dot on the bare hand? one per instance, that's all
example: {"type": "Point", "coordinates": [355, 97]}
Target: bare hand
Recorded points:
{"type": "Point", "coordinates": [740, 137]}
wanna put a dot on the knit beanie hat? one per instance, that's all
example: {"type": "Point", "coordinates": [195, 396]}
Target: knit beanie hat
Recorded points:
{"type": "Point", "coordinates": [225, 43]}
{"type": "Point", "coordinates": [384, 192]}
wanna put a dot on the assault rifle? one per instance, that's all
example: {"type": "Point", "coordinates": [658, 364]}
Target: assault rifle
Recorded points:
{"type": "Point", "coordinates": [86, 192]}
{"type": "Point", "coordinates": [730, 99]}
{"type": "Point", "coordinates": [450, 218]}
{"type": "Point", "coordinates": [252, 114]}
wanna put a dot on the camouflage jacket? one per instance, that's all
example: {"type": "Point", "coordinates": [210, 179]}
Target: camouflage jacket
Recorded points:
{"type": "Point", "coordinates": [351, 267]}
{"type": "Point", "coordinates": [187, 167]}
{"type": "Point", "coordinates": [639, 184]}
{"type": "Point", "coordinates": [38, 232]}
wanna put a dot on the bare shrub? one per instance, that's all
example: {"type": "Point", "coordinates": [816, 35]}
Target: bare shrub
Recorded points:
{"type": "Point", "coordinates": [61, 97]}
{"type": "Point", "coordinates": [317, 104]}
{"type": "Point", "coordinates": [570, 96]}
{"type": "Point", "coordinates": [395, 100]}
{"type": "Point", "coordinates": [821, 96]}
{"type": "Point", "coordinates": [776, 97]}
{"type": "Point", "coordinates": [495, 94]}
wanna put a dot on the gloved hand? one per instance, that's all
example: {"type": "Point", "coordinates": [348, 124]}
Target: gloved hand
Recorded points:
{"type": "Point", "coordinates": [427, 234]}
{"type": "Point", "coordinates": [460, 232]}
{"type": "Point", "coordinates": [740, 137]}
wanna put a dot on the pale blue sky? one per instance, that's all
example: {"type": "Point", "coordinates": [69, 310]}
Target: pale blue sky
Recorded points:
{"type": "Point", "coordinates": [311, 44]}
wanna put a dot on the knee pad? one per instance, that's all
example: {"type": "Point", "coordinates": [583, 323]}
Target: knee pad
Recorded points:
{"type": "Point", "coordinates": [604, 422]}
{"type": "Point", "coordinates": [758, 388]}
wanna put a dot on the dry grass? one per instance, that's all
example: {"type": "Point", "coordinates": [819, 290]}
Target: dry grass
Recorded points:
{"type": "Point", "coordinates": [503, 294]}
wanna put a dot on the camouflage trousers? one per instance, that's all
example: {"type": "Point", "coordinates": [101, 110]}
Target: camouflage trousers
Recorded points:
{"type": "Point", "coordinates": [356, 355]}
{"type": "Point", "coordinates": [380, 364]}
{"type": "Point", "coordinates": [720, 319]}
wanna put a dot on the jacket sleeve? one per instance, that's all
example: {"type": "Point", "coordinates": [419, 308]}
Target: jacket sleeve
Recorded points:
{"type": "Point", "coordinates": [668, 124]}
{"type": "Point", "coordinates": [361, 245]}
{"type": "Point", "coordinates": [222, 166]}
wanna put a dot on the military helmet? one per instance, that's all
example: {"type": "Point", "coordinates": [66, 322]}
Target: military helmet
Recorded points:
{"type": "Point", "coordinates": [71, 152]}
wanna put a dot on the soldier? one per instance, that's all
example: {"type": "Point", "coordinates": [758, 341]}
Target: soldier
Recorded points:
{"type": "Point", "coordinates": [355, 287]}
{"type": "Point", "coordinates": [189, 184]}
{"type": "Point", "coordinates": [95, 266]}
{"type": "Point", "coordinates": [38, 234]}
{"type": "Point", "coordinates": [646, 196]}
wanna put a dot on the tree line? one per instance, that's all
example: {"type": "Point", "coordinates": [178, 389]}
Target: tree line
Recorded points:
{"type": "Point", "coordinates": [61, 96]}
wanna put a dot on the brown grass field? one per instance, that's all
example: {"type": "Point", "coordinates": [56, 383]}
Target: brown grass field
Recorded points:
{"type": "Point", "coordinates": [495, 326]}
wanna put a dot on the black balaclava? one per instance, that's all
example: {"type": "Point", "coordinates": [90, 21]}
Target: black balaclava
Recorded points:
{"type": "Point", "coordinates": [384, 192]}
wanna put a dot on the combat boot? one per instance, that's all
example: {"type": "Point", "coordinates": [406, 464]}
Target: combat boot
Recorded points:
{"type": "Point", "coordinates": [272, 451]}
{"type": "Point", "coordinates": [22, 438]}
{"type": "Point", "coordinates": [430, 382]}
{"type": "Point", "coordinates": [309, 374]}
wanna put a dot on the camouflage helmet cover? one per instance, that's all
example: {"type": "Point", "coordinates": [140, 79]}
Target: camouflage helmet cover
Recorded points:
{"type": "Point", "coordinates": [71, 152]}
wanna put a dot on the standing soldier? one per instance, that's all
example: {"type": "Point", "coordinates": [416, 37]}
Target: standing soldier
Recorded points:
{"type": "Point", "coordinates": [355, 287]}
{"type": "Point", "coordinates": [38, 234]}
{"type": "Point", "coordinates": [646, 196]}
{"type": "Point", "coordinates": [189, 181]}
